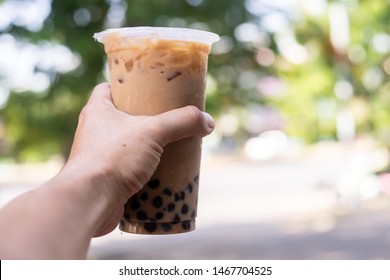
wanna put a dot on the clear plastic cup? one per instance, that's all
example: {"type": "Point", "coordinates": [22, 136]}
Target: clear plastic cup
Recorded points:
{"type": "Point", "coordinates": [153, 70]}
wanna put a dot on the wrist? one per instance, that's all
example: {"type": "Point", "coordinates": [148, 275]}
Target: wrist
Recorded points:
{"type": "Point", "coordinates": [90, 195]}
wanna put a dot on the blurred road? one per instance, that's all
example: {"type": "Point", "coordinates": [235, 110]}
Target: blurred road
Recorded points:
{"type": "Point", "coordinates": [286, 208]}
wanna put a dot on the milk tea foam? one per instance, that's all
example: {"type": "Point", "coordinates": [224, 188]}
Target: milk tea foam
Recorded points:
{"type": "Point", "coordinates": [150, 75]}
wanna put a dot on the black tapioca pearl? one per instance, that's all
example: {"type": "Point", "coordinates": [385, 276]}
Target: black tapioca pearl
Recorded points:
{"type": "Point", "coordinates": [141, 215]}
{"type": "Point", "coordinates": [167, 191]}
{"type": "Point", "coordinates": [185, 209]}
{"type": "Point", "coordinates": [143, 196]}
{"type": "Point", "coordinates": [122, 222]}
{"type": "Point", "coordinates": [173, 76]}
{"type": "Point", "coordinates": [126, 216]}
{"type": "Point", "coordinates": [186, 224]}
{"type": "Point", "coordinates": [166, 227]}
{"type": "Point", "coordinates": [176, 219]}
{"type": "Point", "coordinates": [153, 184]}
{"type": "Point", "coordinates": [150, 227]}
{"type": "Point", "coordinates": [193, 214]}
{"type": "Point", "coordinates": [159, 215]}
{"type": "Point", "coordinates": [157, 201]}
{"type": "Point", "coordinates": [196, 179]}
{"type": "Point", "coordinates": [135, 204]}
{"type": "Point", "coordinates": [190, 188]}
{"type": "Point", "coordinates": [180, 196]}
{"type": "Point", "coordinates": [171, 207]}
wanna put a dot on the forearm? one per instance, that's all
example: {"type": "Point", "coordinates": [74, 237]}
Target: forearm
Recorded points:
{"type": "Point", "coordinates": [56, 221]}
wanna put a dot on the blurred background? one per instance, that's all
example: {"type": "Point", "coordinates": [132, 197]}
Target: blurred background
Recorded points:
{"type": "Point", "coordinates": [298, 167]}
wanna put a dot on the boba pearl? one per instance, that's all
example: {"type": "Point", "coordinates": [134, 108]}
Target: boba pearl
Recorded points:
{"type": "Point", "coordinates": [141, 215]}
{"type": "Point", "coordinates": [167, 192]}
{"type": "Point", "coordinates": [190, 188]}
{"type": "Point", "coordinates": [186, 224]}
{"type": "Point", "coordinates": [184, 209]}
{"type": "Point", "coordinates": [126, 216]}
{"type": "Point", "coordinates": [171, 207]}
{"type": "Point", "coordinates": [166, 227]}
{"type": "Point", "coordinates": [135, 204]}
{"type": "Point", "coordinates": [154, 184]}
{"type": "Point", "coordinates": [159, 215]}
{"type": "Point", "coordinates": [196, 179]}
{"type": "Point", "coordinates": [180, 196]}
{"type": "Point", "coordinates": [176, 219]}
{"type": "Point", "coordinates": [143, 196]}
{"type": "Point", "coordinates": [157, 201]}
{"type": "Point", "coordinates": [150, 227]}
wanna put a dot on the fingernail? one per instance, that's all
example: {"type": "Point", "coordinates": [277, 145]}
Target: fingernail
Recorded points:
{"type": "Point", "coordinates": [209, 120]}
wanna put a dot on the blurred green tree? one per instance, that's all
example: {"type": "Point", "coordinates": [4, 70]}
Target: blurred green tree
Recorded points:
{"type": "Point", "coordinates": [269, 56]}
{"type": "Point", "coordinates": [345, 70]}
{"type": "Point", "coordinates": [40, 124]}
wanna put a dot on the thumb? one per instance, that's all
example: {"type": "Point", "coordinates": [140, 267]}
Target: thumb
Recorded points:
{"type": "Point", "coordinates": [101, 93]}
{"type": "Point", "coordinates": [182, 123]}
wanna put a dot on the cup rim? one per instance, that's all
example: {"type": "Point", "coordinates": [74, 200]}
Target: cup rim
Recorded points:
{"type": "Point", "coordinates": [167, 33]}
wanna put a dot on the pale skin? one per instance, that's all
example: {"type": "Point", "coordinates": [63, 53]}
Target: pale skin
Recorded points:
{"type": "Point", "coordinates": [112, 157]}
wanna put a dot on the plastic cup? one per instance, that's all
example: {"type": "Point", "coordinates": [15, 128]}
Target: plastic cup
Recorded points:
{"type": "Point", "coordinates": [154, 70]}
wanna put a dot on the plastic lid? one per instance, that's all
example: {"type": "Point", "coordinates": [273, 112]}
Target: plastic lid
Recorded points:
{"type": "Point", "coordinates": [167, 33]}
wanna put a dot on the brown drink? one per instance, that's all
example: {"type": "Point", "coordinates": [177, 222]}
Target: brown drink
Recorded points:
{"type": "Point", "coordinates": [153, 70]}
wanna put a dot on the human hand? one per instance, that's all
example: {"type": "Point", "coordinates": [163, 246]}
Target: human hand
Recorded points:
{"type": "Point", "coordinates": [123, 151]}
{"type": "Point", "coordinates": [113, 155]}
